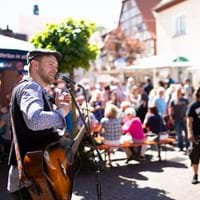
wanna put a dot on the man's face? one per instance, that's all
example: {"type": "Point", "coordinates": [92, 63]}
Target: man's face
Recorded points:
{"type": "Point", "coordinates": [47, 69]}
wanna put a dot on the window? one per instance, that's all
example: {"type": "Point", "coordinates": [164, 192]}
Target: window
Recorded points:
{"type": "Point", "coordinates": [140, 27]}
{"type": "Point", "coordinates": [180, 25]}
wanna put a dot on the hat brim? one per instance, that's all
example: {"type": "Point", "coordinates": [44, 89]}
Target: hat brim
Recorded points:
{"type": "Point", "coordinates": [39, 53]}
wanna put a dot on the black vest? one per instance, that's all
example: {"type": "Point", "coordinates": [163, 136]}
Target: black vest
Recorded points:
{"type": "Point", "coordinates": [29, 140]}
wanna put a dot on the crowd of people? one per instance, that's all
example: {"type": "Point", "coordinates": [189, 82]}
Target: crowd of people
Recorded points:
{"type": "Point", "coordinates": [118, 112]}
{"type": "Point", "coordinates": [132, 110]}
{"type": "Point", "coordinates": [158, 108]}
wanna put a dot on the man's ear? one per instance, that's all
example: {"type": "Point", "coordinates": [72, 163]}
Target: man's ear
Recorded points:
{"type": "Point", "coordinates": [34, 65]}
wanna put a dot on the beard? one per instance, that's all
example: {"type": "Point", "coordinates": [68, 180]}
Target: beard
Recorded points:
{"type": "Point", "coordinates": [48, 78]}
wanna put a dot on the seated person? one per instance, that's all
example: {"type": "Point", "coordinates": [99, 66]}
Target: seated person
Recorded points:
{"type": "Point", "coordinates": [96, 105]}
{"type": "Point", "coordinates": [94, 124]}
{"type": "Point", "coordinates": [154, 122]}
{"type": "Point", "coordinates": [111, 127]}
{"type": "Point", "coordinates": [133, 127]}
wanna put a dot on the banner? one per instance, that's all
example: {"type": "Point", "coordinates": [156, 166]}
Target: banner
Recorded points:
{"type": "Point", "coordinates": [7, 55]}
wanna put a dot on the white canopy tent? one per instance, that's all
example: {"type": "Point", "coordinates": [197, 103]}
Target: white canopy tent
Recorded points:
{"type": "Point", "coordinates": [12, 49]}
{"type": "Point", "coordinates": [12, 60]}
{"type": "Point", "coordinates": [159, 62]}
{"type": "Point", "coordinates": [12, 43]}
{"type": "Point", "coordinates": [160, 67]}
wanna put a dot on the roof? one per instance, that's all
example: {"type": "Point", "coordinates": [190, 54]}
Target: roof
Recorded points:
{"type": "Point", "coordinates": [145, 7]}
{"type": "Point", "coordinates": [165, 4]}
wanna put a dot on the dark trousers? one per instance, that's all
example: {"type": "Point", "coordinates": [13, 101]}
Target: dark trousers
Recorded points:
{"type": "Point", "coordinates": [23, 194]}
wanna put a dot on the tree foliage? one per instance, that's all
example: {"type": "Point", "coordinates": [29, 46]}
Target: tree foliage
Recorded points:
{"type": "Point", "coordinates": [71, 39]}
{"type": "Point", "coordinates": [118, 45]}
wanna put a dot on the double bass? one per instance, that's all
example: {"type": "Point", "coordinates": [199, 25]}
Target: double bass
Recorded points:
{"type": "Point", "coordinates": [54, 169]}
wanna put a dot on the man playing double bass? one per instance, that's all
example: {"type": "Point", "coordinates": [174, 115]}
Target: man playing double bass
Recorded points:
{"type": "Point", "coordinates": [35, 120]}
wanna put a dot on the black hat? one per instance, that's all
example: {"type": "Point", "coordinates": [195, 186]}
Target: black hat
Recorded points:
{"type": "Point", "coordinates": [42, 52]}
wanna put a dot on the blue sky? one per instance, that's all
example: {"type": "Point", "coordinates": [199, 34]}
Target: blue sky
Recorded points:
{"type": "Point", "coordinates": [102, 12]}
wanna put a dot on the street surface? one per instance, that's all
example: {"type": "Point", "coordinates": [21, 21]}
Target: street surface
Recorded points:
{"type": "Point", "coordinates": [147, 179]}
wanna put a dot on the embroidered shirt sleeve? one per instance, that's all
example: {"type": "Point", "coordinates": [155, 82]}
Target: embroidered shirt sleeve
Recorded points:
{"type": "Point", "coordinates": [30, 99]}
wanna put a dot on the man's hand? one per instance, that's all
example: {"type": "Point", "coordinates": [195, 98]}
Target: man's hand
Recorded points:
{"type": "Point", "coordinates": [63, 101]}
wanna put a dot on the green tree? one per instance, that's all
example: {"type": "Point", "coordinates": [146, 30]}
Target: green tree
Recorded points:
{"type": "Point", "coordinates": [71, 39]}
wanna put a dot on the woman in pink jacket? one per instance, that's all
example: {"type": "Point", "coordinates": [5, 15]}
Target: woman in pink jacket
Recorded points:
{"type": "Point", "coordinates": [133, 127]}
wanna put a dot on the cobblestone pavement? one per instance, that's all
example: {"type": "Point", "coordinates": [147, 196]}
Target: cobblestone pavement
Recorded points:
{"type": "Point", "coordinates": [148, 179]}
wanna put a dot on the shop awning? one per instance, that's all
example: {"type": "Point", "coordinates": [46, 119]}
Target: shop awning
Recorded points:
{"type": "Point", "coordinates": [181, 59]}
{"type": "Point", "coordinates": [12, 49]}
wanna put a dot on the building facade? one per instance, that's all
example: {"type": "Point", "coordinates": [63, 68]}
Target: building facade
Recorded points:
{"type": "Point", "coordinates": [137, 21]}
{"type": "Point", "coordinates": [178, 34]}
